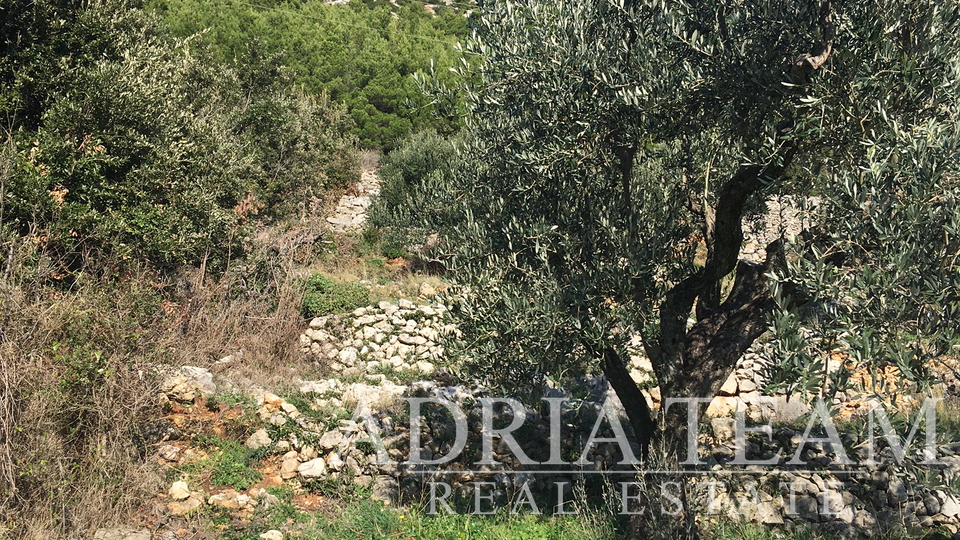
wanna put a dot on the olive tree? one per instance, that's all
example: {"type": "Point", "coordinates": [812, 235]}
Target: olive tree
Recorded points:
{"type": "Point", "coordinates": [615, 147]}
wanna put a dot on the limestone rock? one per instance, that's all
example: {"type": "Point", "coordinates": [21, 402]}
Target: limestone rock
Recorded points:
{"type": "Point", "coordinates": [179, 491]}
{"type": "Point", "coordinates": [331, 440]}
{"type": "Point", "coordinates": [427, 290]}
{"type": "Point", "coordinates": [122, 533]}
{"type": "Point", "coordinates": [425, 367]}
{"type": "Point", "coordinates": [189, 384]}
{"type": "Point", "coordinates": [182, 508]}
{"type": "Point", "coordinates": [202, 377]}
{"type": "Point", "coordinates": [288, 468]}
{"type": "Point", "coordinates": [231, 500]}
{"type": "Point", "coordinates": [729, 387]}
{"type": "Point", "coordinates": [334, 462]}
{"type": "Point", "coordinates": [790, 410]}
{"type": "Point", "coordinates": [385, 489]}
{"type": "Point", "coordinates": [950, 507]}
{"type": "Point", "coordinates": [169, 452]}
{"type": "Point", "coordinates": [272, 534]}
{"type": "Point", "coordinates": [259, 439]}
{"type": "Point", "coordinates": [313, 469]}
{"type": "Point", "coordinates": [373, 396]}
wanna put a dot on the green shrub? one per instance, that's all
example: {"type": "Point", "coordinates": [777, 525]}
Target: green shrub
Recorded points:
{"type": "Point", "coordinates": [412, 163]}
{"type": "Point", "coordinates": [364, 56]}
{"type": "Point", "coordinates": [326, 297]}
{"type": "Point", "coordinates": [147, 147]}
{"type": "Point", "coordinates": [408, 176]}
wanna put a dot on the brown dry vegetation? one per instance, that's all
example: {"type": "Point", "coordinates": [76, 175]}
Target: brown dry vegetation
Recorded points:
{"type": "Point", "coordinates": [76, 389]}
{"type": "Point", "coordinates": [80, 363]}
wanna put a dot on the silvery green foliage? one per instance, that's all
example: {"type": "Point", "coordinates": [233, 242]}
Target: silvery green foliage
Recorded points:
{"type": "Point", "coordinates": [564, 251]}
{"type": "Point", "coordinates": [547, 237]}
{"type": "Point", "coordinates": [882, 267]}
{"type": "Point", "coordinates": [565, 259]}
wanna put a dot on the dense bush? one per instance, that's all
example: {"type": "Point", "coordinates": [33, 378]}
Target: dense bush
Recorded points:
{"type": "Point", "coordinates": [326, 297]}
{"type": "Point", "coordinates": [363, 54]}
{"type": "Point", "coordinates": [127, 157]}
{"type": "Point", "coordinates": [147, 147]}
{"type": "Point", "coordinates": [409, 175]}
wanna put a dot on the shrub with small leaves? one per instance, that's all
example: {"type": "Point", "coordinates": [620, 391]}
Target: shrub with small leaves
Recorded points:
{"type": "Point", "coordinates": [324, 296]}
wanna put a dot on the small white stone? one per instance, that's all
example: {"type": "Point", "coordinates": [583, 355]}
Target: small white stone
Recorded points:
{"type": "Point", "coordinates": [427, 290]}
{"type": "Point", "coordinates": [259, 439]}
{"type": "Point", "coordinates": [179, 490]}
{"type": "Point", "coordinates": [169, 452]}
{"type": "Point", "coordinates": [334, 462]}
{"type": "Point", "coordinates": [348, 356]}
{"type": "Point", "coordinates": [313, 468]}
{"type": "Point", "coordinates": [729, 387]}
{"type": "Point", "coordinates": [427, 368]}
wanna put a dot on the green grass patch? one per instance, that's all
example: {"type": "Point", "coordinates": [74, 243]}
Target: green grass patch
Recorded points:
{"type": "Point", "coordinates": [323, 296]}
{"type": "Point", "coordinates": [230, 400]}
{"type": "Point", "coordinates": [233, 466]}
{"type": "Point", "coordinates": [325, 414]}
{"type": "Point", "coordinates": [371, 520]}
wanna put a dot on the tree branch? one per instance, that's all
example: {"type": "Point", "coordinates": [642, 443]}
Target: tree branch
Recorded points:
{"type": "Point", "coordinates": [633, 400]}
{"type": "Point", "coordinates": [807, 64]}
{"type": "Point", "coordinates": [713, 345]}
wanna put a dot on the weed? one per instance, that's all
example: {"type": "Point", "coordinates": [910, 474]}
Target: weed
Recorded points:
{"type": "Point", "coordinates": [232, 466]}
{"type": "Point", "coordinates": [230, 400]}
{"type": "Point", "coordinates": [279, 513]}
{"type": "Point", "coordinates": [323, 296]}
{"type": "Point", "coordinates": [321, 411]}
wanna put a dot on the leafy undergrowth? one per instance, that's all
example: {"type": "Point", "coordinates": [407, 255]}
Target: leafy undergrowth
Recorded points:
{"type": "Point", "coordinates": [369, 260]}
{"type": "Point", "coordinates": [325, 297]}
{"type": "Point", "coordinates": [373, 521]}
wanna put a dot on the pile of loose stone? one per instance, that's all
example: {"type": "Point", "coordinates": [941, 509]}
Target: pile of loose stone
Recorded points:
{"type": "Point", "coordinates": [782, 217]}
{"type": "Point", "coordinates": [351, 211]}
{"type": "Point", "coordinates": [837, 498]}
{"type": "Point", "coordinates": [849, 500]}
{"type": "Point", "coordinates": [314, 450]}
{"type": "Point", "coordinates": [741, 392]}
{"type": "Point", "coordinates": [379, 339]}
{"type": "Point", "coordinates": [368, 350]}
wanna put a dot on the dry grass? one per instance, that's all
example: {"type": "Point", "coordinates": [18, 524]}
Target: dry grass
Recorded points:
{"type": "Point", "coordinates": [354, 258]}
{"type": "Point", "coordinates": [79, 378]}
{"type": "Point", "coordinates": [251, 312]}
{"type": "Point", "coordinates": [76, 388]}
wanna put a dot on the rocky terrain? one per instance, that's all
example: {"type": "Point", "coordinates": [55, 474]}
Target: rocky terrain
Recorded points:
{"type": "Point", "coordinates": [351, 211]}
{"type": "Point", "coordinates": [320, 432]}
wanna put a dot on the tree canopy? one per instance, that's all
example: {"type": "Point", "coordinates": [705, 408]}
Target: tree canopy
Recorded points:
{"type": "Point", "coordinates": [613, 149]}
{"type": "Point", "coordinates": [128, 142]}
{"type": "Point", "coordinates": [362, 55]}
